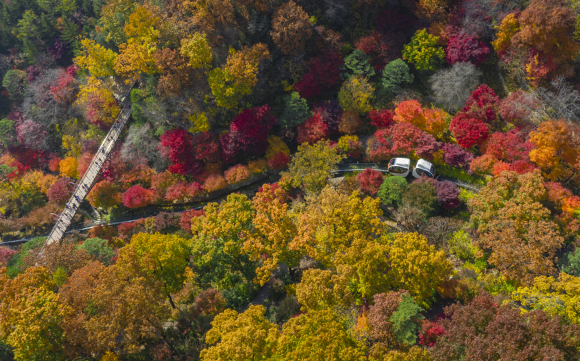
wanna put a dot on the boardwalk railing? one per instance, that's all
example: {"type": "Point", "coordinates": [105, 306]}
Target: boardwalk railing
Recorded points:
{"type": "Point", "coordinates": [91, 175]}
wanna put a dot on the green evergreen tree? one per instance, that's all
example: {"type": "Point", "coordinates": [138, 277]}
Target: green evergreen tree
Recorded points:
{"type": "Point", "coordinates": [406, 320]}
{"type": "Point", "coordinates": [395, 73]}
{"type": "Point", "coordinates": [296, 111]}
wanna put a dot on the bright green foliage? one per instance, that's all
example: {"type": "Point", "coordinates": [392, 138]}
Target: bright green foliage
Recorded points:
{"type": "Point", "coordinates": [356, 94]}
{"type": "Point", "coordinates": [295, 112]}
{"type": "Point", "coordinates": [395, 74]}
{"type": "Point", "coordinates": [311, 166]}
{"type": "Point", "coordinates": [165, 256]}
{"type": "Point", "coordinates": [218, 237]}
{"type": "Point", "coordinates": [571, 263]}
{"type": "Point", "coordinates": [391, 190]}
{"type": "Point", "coordinates": [98, 248]}
{"type": "Point", "coordinates": [196, 48]}
{"type": "Point", "coordinates": [15, 82]}
{"type": "Point", "coordinates": [424, 51]}
{"type": "Point", "coordinates": [359, 63]}
{"type": "Point", "coordinates": [29, 31]}
{"type": "Point", "coordinates": [406, 320]}
{"type": "Point", "coordinates": [318, 336]}
{"type": "Point", "coordinates": [244, 336]}
{"type": "Point", "coordinates": [97, 59]}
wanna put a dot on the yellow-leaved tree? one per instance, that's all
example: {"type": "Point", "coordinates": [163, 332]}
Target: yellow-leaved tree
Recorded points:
{"type": "Point", "coordinates": [31, 314]}
{"type": "Point", "coordinates": [241, 336]}
{"type": "Point", "coordinates": [97, 59]}
{"type": "Point", "coordinates": [196, 48]}
{"type": "Point", "coordinates": [238, 76]}
{"type": "Point", "coordinates": [273, 231]}
{"type": "Point", "coordinates": [136, 55]}
{"type": "Point", "coordinates": [322, 289]}
{"type": "Point", "coordinates": [319, 336]}
{"type": "Point", "coordinates": [165, 257]}
{"type": "Point", "coordinates": [312, 165]}
{"type": "Point", "coordinates": [555, 296]}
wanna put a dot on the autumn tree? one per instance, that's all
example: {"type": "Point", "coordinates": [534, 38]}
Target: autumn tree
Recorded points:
{"type": "Point", "coordinates": [273, 231]}
{"type": "Point", "coordinates": [554, 296]}
{"type": "Point", "coordinates": [316, 336]}
{"type": "Point", "coordinates": [238, 76]}
{"type": "Point", "coordinates": [291, 28]}
{"type": "Point", "coordinates": [516, 227]}
{"type": "Point", "coordinates": [311, 165]}
{"type": "Point", "coordinates": [104, 194]}
{"type": "Point", "coordinates": [165, 257]}
{"type": "Point", "coordinates": [123, 299]}
{"type": "Point", "coordinates": [31, 315]}
{"type": "Point", "coordinates": [249, 335]}
{"type": "Point", "coordinates": [176, 73]}
{"type": "Point", "coordinates": [95, 58]}
{"type": "Point", "coordinates": [356, 94]}
{"type": "Point", "coordinates": [248, 134]}
{"type": "Point", "coordinates": [424, 51]}
{"type": "Point", "coordinates": [136, 55]}
{"type": "Point", "coordinates": [462, 47]}
{"type": "Point", "coordinates": [556, 151]}
{"type": "Point", "coordinates": [196, 48]}
{"type": "Point", "coordinates": [322, 289]}
{"type": "Point", "coordinates": [473, 331]}
{"type": "Point", "coordinates": [136, 197]}
{"type": "Point", "coordinates": [546, 28]}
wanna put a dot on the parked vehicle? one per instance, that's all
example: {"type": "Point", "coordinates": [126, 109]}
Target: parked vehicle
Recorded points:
{"type": "Point", "coordinates": [399, 167]}
{"type": "Point", "coordinates": [425, 168]}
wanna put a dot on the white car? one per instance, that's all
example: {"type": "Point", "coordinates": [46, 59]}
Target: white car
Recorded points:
{"type": "Point", "coordinates": [424, 168]}
{"type": "Point", "coordinates": [399, 167]}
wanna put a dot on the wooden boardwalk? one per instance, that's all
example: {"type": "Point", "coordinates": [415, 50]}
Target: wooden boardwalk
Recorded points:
{"type": "Point", "coordinates": [91, 175]}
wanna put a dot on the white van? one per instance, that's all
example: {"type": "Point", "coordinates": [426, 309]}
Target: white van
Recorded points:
{"type": "Point", "coordinates": [399, 167]}
{"type": "Point", "coordinates": [425, 168]}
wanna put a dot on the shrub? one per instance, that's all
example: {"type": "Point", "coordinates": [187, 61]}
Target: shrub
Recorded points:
{"type": "Point", "coordinates": [237, 174]}
{"type": "Point", "coordinates": [99, 249]}
{"type": "Point", "coordinates": [456, 156]}
{"type": "Point", "coordinates": [183, 191]}
{"type": "Point", "coordinates": [351, 145]}
{"type": "Point", "coordinates": [370, 180]}
{"type": "Point", "coordinates": [313, 130]}
{"type": "Point", "coordinates": [279, 161]}
{"type": "Point", "coordinates": [258, 166]}
{"type": "Point", "coordinates": [5, 255]}
{"type": "Point", "coordinates": [350, 122]}
{"type": "Point", "coordinates": [461, 245]}
{"type": "Point", "coordinates": [214, 182]}
{"type": "Point", "coordinates": [331, 114]}
{"type": "Point", "coordinates": [275, 146]}
{"type": "Point", "coordinates": [447, 194]}
{"type": "Point", "coordinates": [186, 217]}
{"type": "Point", "coordinates": [420, 194]}
{"type": "Point", "coordinates": [137, 196]}
{"type": "Point", "coordinates": [382, 118]}
{"type": "Point", "coordinates": [483, 164]}
{"type": "Point", "coordinates": [391, 190]}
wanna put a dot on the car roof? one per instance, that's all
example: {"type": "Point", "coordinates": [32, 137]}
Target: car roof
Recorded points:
{"type": "Point", "coordinates": [424, 164]}
{"type": "Point", "coordinates": [402, 161]}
